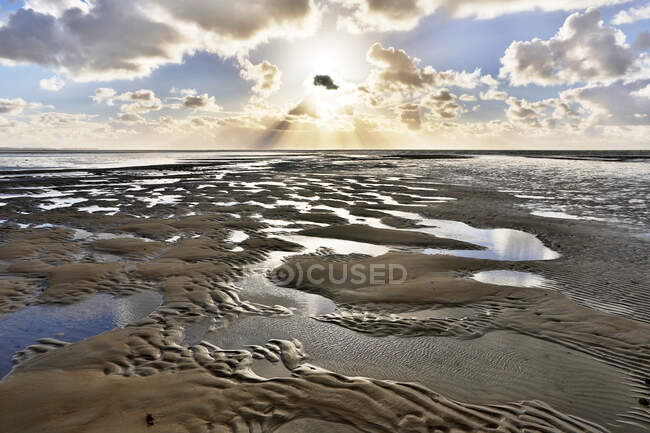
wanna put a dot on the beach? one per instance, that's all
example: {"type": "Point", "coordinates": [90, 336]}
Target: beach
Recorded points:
{"type": "Point", "coordinates": [214, 292]}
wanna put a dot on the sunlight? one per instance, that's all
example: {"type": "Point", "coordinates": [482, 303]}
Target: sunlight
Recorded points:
{"type": "Point", "coordinates": [334, 54]}
{"type": "Point", "coordinates": [324, 216]}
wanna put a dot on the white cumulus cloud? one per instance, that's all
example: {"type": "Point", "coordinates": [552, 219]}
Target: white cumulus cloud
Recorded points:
{"type": "Point", "coordinates": [53, 84]}
{"type": "Point", "coordinates": [14, 107]}
{"type": "Point", "coordinates": [202, 102]}
{"type": "Point", "coordinates": [583, 50]}
{"type": "Point", "coordinates": [266, 76]}
{"type": "Point", "coordinates": [395, 70]}
{"type": "Point", "coordinates": [139, 101]}
{"type": "Point", "coordinates": [632, 15]}
{"type": "Point", "coordinates": [618, 103]}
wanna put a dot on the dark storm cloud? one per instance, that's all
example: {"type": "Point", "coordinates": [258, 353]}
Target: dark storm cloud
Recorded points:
{"type": "Point", "coordinates": [325, 81]}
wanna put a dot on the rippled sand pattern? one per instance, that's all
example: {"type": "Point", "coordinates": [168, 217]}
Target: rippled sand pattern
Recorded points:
{"type": "Point", "coordinates": [507, 322]}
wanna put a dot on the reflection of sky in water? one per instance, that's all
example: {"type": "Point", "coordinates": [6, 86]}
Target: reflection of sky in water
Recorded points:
{"type": "Point", "coordinates": [157, 198]}
{"type": "Point", "coordinates": [237, 236]}
{"type": "Point", "coordinates": [258, 289]}
{"type": "Point", "coordinates": [56, 203]}
{"type": "Point", "coordinates": [563, 215]}
{"type": "Point", "coordinates": [95, 208]}
{"type": "Point", "coordinates": [502, 244]}
{"type": "Point", "coordinates": [312, 243]}
{"type": "Point", "coordinates": [77, 321]}
{"type": "Point", "coordinates": [352, 219]}
{"type": "Point", "coordinates": [512, 278]}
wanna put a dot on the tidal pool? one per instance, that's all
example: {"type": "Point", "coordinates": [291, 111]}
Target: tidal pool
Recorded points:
{"type": "Point", "coordinates": [71, 323]}
{"type": "Point", "coordinates": [501, 244]}
{"type": "Point", "coordinates": [512, 278]}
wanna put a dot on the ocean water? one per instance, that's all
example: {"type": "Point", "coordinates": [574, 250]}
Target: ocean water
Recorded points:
{"type": "Point", "coordinates": [15, 161]}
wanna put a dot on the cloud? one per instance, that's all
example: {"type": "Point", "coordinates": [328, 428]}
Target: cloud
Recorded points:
{"type": "Point", "coordinates": [399, 93]}
{"type": "Point", "coordinates": [130, 118]}
{"type": "Point", "coordinates": [325, 81]}
{"type": "Point", "coordinates": [486, 9]}
{"type": "Point", "coordinates": [395, 70]}
{"type": "Point", "coordinates": [565, 110]}
{"type": "Point", "coordinates": [383, 15]}
{"type": "Point", "coordinates": [410, 115]}
{"type": "Point", "coordinates": [395, 67]}
{"type": "Point", "coordinates": [583, 50]}
{"type": "Point", "coordinates": [489, 80]}
{"type": "Point", "coordinates": [139, 101]}
{"type": "Point", "coordinates": [14, 107]}
{"type": "Point", "coordinates": [53, 84]}
{"type": "Point", "coordinates": [144, 101]}
{"type": "Point", "coordinates": [305, 108]}
{"type": "Point", "coordinates": [63, 129]}
{"type": "Point", "coordinates": [526, 113]}
{"type": "Point", "coordinates": [202, 102]}
{"type": "Point", "coordinates": [618, 103]}
{"type": "Point", "coordinates": [397, 82]}
{"type": "Point", "coordinates": [361, 16]}
{"type": "Point", "coordinates": [467, 98]}
{"type": "Point", "coordinates": [632, 15]}
{"type": "Point", "coordinates": [104, 94]}
{"type": "Point", "coordinates": [113, 39]}
{"type": "Point", "coordinates": [7, 125]}
{"type": "Point", "coordinates": [643, 93]}
{"type": "Point", "coordinates": [54, 119]}
{"type": "Point", "coordinates": [442, 104]}
{"type": "Point", "coordinates": [266, 76]}
{"type": "Point", "coordinates": [138, 95]}
{"type": "Point", "coordinates": [55, 7]}
{"type": "Point", "coordinates": [183, 92]}
{"type": "Point", "coordinates": [642, 42]}
{"type": "Point", "coordinates": [493, 94]}
{"type": "Point", "coordinates": [619, 107]}
{"type": "Point", "coordinates": [231, 27]}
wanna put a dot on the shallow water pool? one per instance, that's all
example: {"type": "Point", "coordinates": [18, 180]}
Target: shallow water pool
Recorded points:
{"type": "Point", "coordinates": [71, 323]}
{"type": "Point", "coordinates": [501, 244]}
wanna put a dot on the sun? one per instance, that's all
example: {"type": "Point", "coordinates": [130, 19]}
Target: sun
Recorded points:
{"type": "Point", "coordinates": [331, 53]}
{"type": "Point", "coordinates": [334, 56]}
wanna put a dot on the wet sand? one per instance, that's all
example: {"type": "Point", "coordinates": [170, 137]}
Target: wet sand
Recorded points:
{"type": "Point", "coordinates": [236, 345]}
{"type": "Point", "coordinates": [381, 236]}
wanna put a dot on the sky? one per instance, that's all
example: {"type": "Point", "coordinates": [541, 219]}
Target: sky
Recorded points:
{"type": "Point", "coordinates": [325, 74]}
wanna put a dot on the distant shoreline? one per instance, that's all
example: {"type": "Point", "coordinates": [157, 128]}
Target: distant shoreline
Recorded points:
{"type": "Point", "coordinates": [636, 153]}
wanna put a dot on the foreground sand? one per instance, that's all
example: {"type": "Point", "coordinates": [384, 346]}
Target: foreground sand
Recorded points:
{"type": "Point", "coordinates": [145, 377]}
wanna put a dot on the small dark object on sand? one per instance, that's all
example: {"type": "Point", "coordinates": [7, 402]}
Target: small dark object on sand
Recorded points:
{"type": "Point", "coordinates": [644, 402]}
{"type": "Point", "coordinates": [149, 419]}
